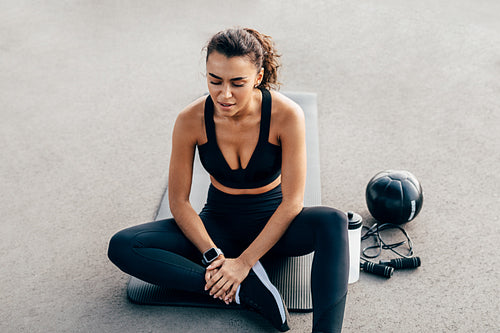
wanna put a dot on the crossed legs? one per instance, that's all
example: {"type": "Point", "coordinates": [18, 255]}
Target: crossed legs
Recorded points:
{"type": "Point", "coordinates": [159, 253]}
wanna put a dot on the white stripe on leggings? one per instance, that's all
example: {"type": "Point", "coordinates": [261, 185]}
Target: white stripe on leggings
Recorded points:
{"type": "Point", "coordinates": [262, 275]}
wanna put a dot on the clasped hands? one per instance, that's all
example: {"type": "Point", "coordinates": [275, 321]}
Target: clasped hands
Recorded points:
{"type": "Point", "coordinates": [223, 276]}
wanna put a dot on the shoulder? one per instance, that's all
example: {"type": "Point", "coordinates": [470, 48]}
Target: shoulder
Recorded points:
{"type": "Point", "coordinates": [192, 114]}
{"type": "Point", "coordinates": [193, 111]}
{"type": "Point", "coordinates": [190, 121]}
{"type": "Point", "coordinates": [285, 111]}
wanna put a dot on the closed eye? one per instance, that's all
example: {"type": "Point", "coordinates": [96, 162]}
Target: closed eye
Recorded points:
{"type": "Point", "coordinates": [234, 84]}
{"type": "Point", "coordinates": [218, 80]}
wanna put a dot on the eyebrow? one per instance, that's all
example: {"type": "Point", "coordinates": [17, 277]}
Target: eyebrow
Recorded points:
{"type": "Point", "coordinates": [233, 79]}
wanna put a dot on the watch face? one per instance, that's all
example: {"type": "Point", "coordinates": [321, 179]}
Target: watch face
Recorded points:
{"type": "Point", "coordinates": [211, 255]}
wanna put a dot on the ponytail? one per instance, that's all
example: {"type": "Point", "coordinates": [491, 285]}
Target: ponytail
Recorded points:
{"type": "Point", "coordinates": [251, 43]}
{"type": "Point", "coordinates": [270, 61]}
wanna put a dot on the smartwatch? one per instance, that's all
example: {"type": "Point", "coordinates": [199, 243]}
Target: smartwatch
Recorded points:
{"type": "Point", "coordinates": [210, 255]}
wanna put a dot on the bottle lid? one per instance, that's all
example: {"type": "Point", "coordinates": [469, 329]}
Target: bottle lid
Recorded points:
{"type": "Point", "coordinates": [355, 220]}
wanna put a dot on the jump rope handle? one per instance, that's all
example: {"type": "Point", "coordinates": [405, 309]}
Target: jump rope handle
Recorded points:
{"type": "Point", "coordinates": [382, 270]}
{"type": "Point", "coordinates": [402, 263]}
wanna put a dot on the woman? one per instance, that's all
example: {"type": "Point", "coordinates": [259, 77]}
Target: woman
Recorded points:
{"type": "Point", "coordinates": [252, 143]}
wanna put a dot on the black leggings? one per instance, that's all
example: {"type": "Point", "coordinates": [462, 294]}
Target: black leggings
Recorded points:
{"type": "Point", "coordinates": [159, 253]}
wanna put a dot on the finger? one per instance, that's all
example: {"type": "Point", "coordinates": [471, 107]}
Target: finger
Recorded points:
{"type": "Point", "coordinates": [228, 299]}
{"type": "Point", "coordinates": [214, 278]}
{"type": "Point", "coordinates": [232, 292]}
{"type": "Point", "coordinates": [222, 288]}
{"type": "Point", "coordinates": [208, 275]}
{"type": "Point", "coordinates": [222, 279]}
{"type": "Point", "coordinates": [215, 287]}
{"type": "Point", "coordinates": [216, 263]}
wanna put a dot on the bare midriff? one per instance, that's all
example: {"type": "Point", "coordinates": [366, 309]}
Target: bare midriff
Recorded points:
{"type": "Point", "coordinates": [237, 191]}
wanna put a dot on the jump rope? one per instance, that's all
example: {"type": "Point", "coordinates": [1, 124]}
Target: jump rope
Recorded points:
{"type": "Point", "coordinates": [386, 268]}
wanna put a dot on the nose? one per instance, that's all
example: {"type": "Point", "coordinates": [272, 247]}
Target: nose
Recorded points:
{"type": "Point", "coordinates": [226, 91]}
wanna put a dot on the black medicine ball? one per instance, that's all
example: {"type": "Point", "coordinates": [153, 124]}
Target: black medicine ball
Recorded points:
{"type": "Point", "coordinates": [394, 196]}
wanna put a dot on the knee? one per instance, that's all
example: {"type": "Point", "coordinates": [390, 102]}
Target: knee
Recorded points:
{"type": "Point", "coordinates": [330, 222]}
{"type": "Point", "coordinates": [119, 245]}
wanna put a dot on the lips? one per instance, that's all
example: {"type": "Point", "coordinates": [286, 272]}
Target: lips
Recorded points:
{"type": "Point", "coordinates": [225, 105]}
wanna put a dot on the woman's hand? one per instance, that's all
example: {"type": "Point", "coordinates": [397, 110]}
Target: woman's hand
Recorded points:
{"type": "Point", "coordinates": [223, 277]}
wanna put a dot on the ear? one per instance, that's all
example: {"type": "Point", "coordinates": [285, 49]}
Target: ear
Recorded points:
{"type": "Point", "coordinates": [260, 76]}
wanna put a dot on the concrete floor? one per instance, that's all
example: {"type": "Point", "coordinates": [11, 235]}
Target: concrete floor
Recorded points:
{"type": "Point", "coordinates": [88, 94]}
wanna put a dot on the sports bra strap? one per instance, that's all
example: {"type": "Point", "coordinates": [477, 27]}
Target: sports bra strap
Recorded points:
{"type": "Point", "coordinates": [265, 117]}
{"type": "Point", "coordinates": [209, 119]}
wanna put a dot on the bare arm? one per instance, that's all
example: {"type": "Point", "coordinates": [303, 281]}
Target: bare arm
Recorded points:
{"type": "Point", "coordinates": [184, 141]}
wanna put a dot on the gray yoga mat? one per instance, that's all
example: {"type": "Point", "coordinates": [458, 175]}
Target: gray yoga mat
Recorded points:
{"type": "Point", "coordinates": [292, 276]}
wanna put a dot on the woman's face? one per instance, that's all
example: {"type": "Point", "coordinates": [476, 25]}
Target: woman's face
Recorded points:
{"type": "Point", "coordinates": [231, 82]}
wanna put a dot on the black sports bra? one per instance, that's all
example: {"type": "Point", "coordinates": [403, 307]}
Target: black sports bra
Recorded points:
{"type": "Point", "coordinates": [265, 163]}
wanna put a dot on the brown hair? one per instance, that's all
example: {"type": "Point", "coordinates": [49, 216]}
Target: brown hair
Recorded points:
{"type": "Point", "coordinates": [259, 48]}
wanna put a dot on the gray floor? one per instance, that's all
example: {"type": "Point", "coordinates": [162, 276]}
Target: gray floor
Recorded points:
{"type": "Point", "coordinates": [88, 94]}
